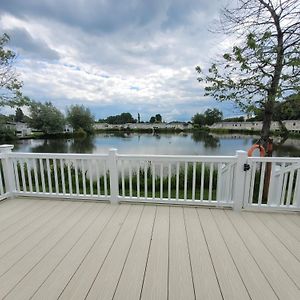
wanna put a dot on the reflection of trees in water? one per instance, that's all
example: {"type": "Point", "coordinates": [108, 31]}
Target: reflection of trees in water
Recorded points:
{"type": "Point", "coordinates": [85, 145]}
{"type": "Point", "coordinates": [51, 146]}
{"type": "Point", "coordinates": [208, 140]}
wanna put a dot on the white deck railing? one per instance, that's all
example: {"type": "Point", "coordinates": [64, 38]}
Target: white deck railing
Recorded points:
{"type": "Point", "coordinates": [173, 179]}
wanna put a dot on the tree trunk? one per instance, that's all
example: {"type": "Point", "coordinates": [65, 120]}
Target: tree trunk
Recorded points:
{"type": "Point", "coordinates": [266, 127]}
{"type": "Point", "coordinates": [265, 140]}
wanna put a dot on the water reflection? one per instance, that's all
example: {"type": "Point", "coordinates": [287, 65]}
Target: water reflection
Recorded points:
{"type": "Point", "coordinates": [197, 143]}
{"type": "Point", "coordinates": [206, 138]}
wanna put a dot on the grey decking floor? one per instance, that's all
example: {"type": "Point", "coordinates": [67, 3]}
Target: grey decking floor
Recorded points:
{"type": "Point", "coordinates": [53, 249]}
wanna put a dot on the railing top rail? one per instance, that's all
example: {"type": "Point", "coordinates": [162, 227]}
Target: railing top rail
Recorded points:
{"type": "Point", "coordinates": [275, 159]}
{"type": "Point", "coordinates": [189, 158]}
{"type": "Point", "coordinates": [57, 155]}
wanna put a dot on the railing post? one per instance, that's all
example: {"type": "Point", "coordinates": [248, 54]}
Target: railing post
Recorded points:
{"type": "Point", "coordinates": [113, 176]}
{"type": "Point", "coordinates": [10, 184]}
{"type": "Point", "coordinates": [239, 180]}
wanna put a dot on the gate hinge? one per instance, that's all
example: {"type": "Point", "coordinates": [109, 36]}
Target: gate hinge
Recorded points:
{"type": "Point", "coordinates": [246, 167]}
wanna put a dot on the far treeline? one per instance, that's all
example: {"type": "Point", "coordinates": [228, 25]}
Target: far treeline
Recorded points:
{"type": "Point", "coordinates": [127, 117]}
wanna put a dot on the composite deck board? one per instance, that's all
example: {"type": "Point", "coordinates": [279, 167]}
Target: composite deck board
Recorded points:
{"type": "Point", "coordinates": [30, 230]}
{"type": "Point", "coordinates": [286, 238]}
{"type": "Point", "coordinates": [254, 280]}
{"type": "Point", "coordinates": [21, 249]}
{"type": "Point", "coordinates": [17, 272]}
{"type": "Point", "coordinates": [9, 208]}
{"type": "Point", "coordinates": [181, 284]}
{"type": "Point", "coordinates": [277, 277]}
{"type": "Point", "coordinates": [131, 280]}
{"type": "Point", "coordinates": [12, 215]}
{"type": "Point", "coordinates": [288, 224]}
{"type": "Point", "coordinates": [54, 249]}
{"type": "Point", "coordinates": [26, 220]}
{"type": "Point", "coordinates": [55, 283]}
{"type": "Point", "coordinates": [205, 279]}
{"type": "Point", "coordinates": [231, 284]}
{"type": "Point", "coordinates": [295, 218]}
{"type": "Point", "coordinates": [107, 279]}
{"type": "Point", "coordinates": [33, 280]}
{"type": "Point", "coordinates": [80, 283]}
{"type": "Point", "coordinates": [155, 284]}
{"type": "Point", "coordinates": [286, 260]}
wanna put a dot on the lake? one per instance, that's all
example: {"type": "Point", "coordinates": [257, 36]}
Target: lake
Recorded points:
{"type": "Point", "coordinates": [133, 143]}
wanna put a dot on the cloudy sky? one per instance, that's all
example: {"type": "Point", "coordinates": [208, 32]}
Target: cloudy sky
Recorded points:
{"type": "Point", "coordinates": [116, 55]}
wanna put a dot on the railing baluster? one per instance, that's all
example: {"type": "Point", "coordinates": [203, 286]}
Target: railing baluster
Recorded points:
{"type": "Point", "coordinates": [185, 180]}
{"type": "Point", "coordinates": [70, 177]}
{"type": "Point", "coordinates": [36, 178]}
{"type": "Point", "coordinates": [91, 178]}
{"type": "Point", "coordinates": [252, 183]}
{"type": "Point", "coordinates": [194, 181]}
{"type": "Point", "coordinates": [153, 181]}
{"type": "Point", "coordinates": [123, 178]}
{"type": "Point", "coordinates": [146, 179]}
{"type": "Point", "coordinates": [138, 180]}
{"type": "Point", "coordinates": [49, 176]}
{"type": "Point", "coordinates": [98, 178]}
{"type": "Point", "coordinates": [296, 199]}
{"type": "Point", "coordinates": [62, 174]}
{"type": "Point", "coordinates": [130, 179]}
{"type": "Point", "coordinates": [211, 173]}
{"type": "Point", "coordinates": [16, 171]}
{"type": "Point", "coordinates": [169, 181]}
{"type": "Point", "coordinates": [75, 165]}
{"type": "Point", "coordinates": [281, 179]}
{"type": "Point", "coordinates": [202, 181]}
{"type": "Point", "coordinates": [1, 182]}
{"type": "Point", "coordinates": [29, 175]}
{"type": "Point", "coordinates": [161, 182]}
{"type": "Point", "coordinates": [55, 176]}
{"type": "Point", "coordinates": [177, 181]}
{"type": "Point", "coordinates": [23, 175]}
{"type": "Point", "coordinates": [285, 177]}
{"type": "Point", "coordinates": [261, 183]}
{"type": "Point", "coordinates": [290, 187]}
{"type": "Point", "coordinates": [83, 177]}
{"type": "Point", "coordinates": [219, 192]}
{"type": "Point", "coordinates": [105, 179]}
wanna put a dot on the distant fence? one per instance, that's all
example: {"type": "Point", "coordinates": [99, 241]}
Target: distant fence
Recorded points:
{"type": "Point", "coordinates": [224, 181]}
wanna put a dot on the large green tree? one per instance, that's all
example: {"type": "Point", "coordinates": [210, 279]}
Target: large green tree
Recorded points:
{"type": "Point", "coordinates": [19, 115]}
{"type": "Point", "coordinates": [46, 117]}
{"type": "Point", "coordinates": [123, 118]}
{"type": "Point", "coordinates": [80, 117]}
{"type": "Point", "coordinates": [212, 116]}
{"type": "Point", "coordinates": [199, 119]}
{"type": "Point", "coordinates": [10, 84]}
{"type": "Point", "coordinates": [263, 65]}
{"type": "Point", "coordinates": [209, 117]}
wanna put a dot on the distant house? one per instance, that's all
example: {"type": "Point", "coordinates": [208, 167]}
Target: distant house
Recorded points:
{"type": "Point", "coordinates": [20, 129]}
{"type": "Point", "coordinates": [291, 125]}
{"type": "Point", "coordinates": [172, 125]}
{"type": "Point", "coordinates": [68, 128]}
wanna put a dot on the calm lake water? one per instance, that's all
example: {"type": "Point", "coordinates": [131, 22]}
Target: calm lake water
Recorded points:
{"type": "Point", "coordinates": [183, 143]}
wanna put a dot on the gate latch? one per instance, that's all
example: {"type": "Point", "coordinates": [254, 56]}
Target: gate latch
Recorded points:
{"type": "Point", "coordinates": [246, 167]}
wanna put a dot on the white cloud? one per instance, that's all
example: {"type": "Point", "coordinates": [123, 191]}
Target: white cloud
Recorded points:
{"type": "Point", "coordinates": [142, 61]}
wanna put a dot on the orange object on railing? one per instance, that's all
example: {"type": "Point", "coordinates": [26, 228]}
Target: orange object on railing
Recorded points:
{"type": "Point", "coordinates": [262, 150]}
